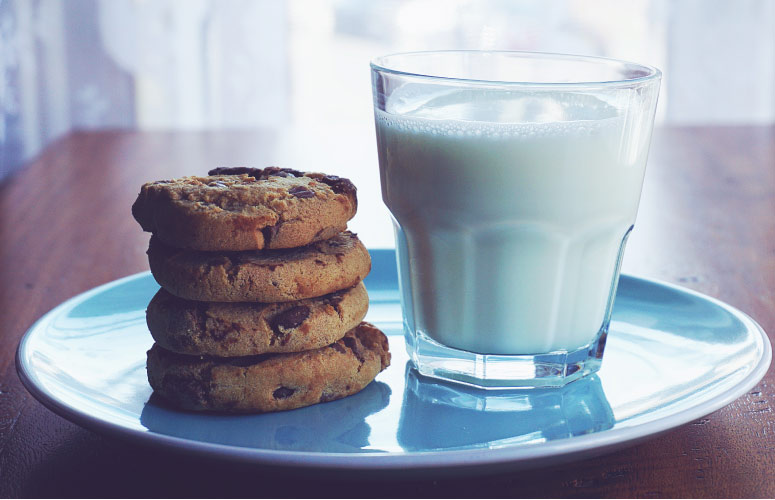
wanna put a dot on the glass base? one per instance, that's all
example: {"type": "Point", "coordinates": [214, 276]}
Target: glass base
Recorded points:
{"type": "Point", "coordinates": [493, 371]}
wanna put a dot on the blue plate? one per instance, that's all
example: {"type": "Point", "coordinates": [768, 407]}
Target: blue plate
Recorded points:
{"type": "Point", "coordinates": [673, 356]}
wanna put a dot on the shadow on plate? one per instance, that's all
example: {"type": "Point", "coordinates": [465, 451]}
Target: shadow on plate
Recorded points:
{"type": "Point", "coordinates": [336, 426]}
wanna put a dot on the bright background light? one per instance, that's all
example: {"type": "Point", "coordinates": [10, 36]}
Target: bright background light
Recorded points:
{"type": "Point", "coordinates": [299, 68]}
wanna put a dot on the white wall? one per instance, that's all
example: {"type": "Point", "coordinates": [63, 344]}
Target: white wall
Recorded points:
{"type": "Point", "coordinates": [721, 64]}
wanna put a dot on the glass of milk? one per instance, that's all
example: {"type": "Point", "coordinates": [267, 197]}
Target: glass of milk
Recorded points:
{"type": "Point", "coordinates": [513, 180]}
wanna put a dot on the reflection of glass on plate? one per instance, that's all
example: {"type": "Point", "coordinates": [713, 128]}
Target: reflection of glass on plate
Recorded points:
{"type": "Point", "coordinates": [460, 416]}
{"type": "Point", "coordinates": [336, 426]}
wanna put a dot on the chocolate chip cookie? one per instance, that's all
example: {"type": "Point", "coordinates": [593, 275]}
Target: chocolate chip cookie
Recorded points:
{"type": "Point", "coordinates": [263, 275]}
{"type": "Point", "coordinates": [270, 382]}
{"type": "Point", "coordinates": [246, 328]}
{"type": "Point", "coordinates": [246, 209]}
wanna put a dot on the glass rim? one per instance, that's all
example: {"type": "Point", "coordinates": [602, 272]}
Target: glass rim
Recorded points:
{"type": "Point", "coordinates": [651, 73]}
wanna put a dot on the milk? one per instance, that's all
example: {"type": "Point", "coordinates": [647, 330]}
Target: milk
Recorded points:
{"type": "Point", "coordinates": [511, 211]}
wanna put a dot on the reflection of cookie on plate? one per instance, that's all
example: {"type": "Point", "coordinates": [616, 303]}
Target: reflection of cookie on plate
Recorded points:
{"type": "Point", "coordinates": [246, 209]}
{"type": "Point", "coordinates": [248, 328]}
{"type": "Point", "coordinates": [261, 276]}
{"type": "Point", "coordinates": [270, 382]}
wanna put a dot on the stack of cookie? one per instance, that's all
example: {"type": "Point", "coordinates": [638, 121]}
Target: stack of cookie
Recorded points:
{"type": "Point", "coordinates": [262, 299]}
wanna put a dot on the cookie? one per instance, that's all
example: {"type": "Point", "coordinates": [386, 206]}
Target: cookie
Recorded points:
{"type": "Point", "coordinates": [270, 382]}
{"type": "Point", "coordinates": [261, 275]}
{"type": "Point", "coordinates": [246, 209]}
{"type": "Point", "coordinates": [248, 328]}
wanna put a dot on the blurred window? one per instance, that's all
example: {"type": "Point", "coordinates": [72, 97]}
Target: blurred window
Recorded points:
{"type": "Point", "coordinates": [226, 64]}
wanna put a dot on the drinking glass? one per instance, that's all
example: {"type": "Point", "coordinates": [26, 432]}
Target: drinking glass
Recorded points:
{"type": "Point", "coordinates": [513, 180]}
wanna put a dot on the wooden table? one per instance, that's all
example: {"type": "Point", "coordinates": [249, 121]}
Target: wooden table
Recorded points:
{"type": "Point", "coordinates": [707, 222]}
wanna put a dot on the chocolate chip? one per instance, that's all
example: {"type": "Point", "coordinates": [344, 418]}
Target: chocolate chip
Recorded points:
{"type": "Point", "coordinates": [352, 344]}
{"type": "Point", "coordinates": [283, 393]}
{"type": "Point", "coordinates": [339, 185]}
{"type": "Point", "coordinates": [335, 299]}
{"type": "Point", "coordinates": [301, 192]}
{"type": "Point", "coordinates": [287, 320]}
{"type": "Point", "coordinates": [291, 318]}
{"type": "Point", "coordinates": [269, 232]}
{"type": "Point", "coordinates": [253, 172]}
{"type": "Point", "coordinates": [282, 172]}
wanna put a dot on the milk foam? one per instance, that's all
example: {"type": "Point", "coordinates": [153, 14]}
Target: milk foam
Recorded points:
{"type": "Point", "coordinates": [510, 214]}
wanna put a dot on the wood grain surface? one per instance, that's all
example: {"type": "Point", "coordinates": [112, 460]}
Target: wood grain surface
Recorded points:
{"type": "Point", "coordinates": [707, 222]}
